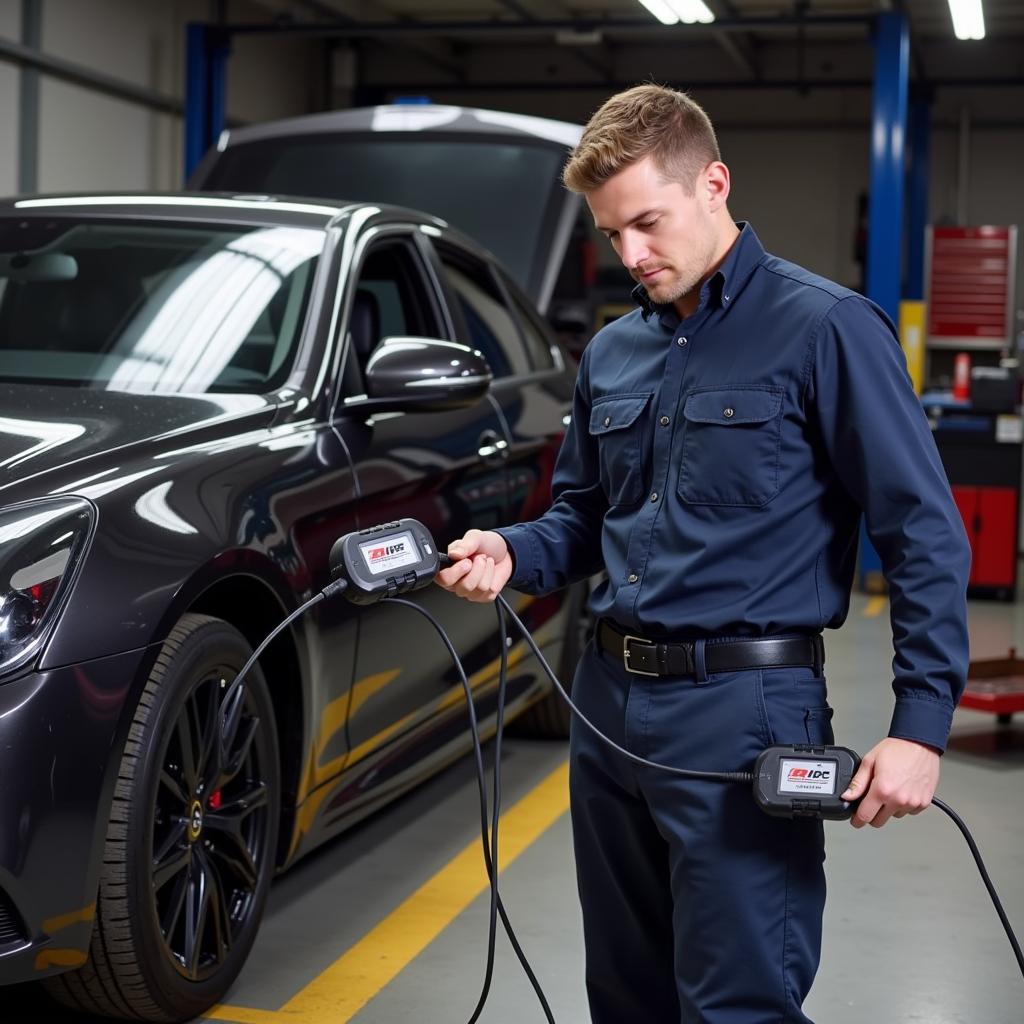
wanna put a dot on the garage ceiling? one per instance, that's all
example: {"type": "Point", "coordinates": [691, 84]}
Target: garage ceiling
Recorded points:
{"type": "Point", "coordinates": [611, 42]}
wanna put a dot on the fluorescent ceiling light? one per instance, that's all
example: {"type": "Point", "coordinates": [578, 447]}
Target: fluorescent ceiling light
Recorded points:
{"type": "Point", "coordinates": [669, 12]}
{"type": "Point", "coordinates": [968, 19]}
{"type": "Point", "coordinates": [661, 10]}
{"type": "Point", "coordinates": [690, 11]}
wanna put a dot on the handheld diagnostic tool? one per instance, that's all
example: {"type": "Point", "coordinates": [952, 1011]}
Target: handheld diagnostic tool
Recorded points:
{"type": "Point", "coordinates": [386, 560]}
{"type": "Point", "coordinates": [805, 781]}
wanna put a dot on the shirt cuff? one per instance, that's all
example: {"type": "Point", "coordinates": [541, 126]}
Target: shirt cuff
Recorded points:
{"type": "Point", "coordinates": [922, 719]}
{"type": "Point", "coordinates": [520, 546]}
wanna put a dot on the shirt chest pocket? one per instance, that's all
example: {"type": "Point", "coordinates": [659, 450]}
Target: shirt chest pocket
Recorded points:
{"type": "Point", "coordinates": [616, 425]}
{"type": "Point", "coordinates": [730, 453]}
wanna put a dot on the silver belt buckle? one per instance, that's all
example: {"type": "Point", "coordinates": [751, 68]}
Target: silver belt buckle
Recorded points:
{"type": "Point", "coordinates": [625, 656]}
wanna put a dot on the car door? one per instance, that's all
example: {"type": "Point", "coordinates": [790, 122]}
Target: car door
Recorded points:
{"type": "Point", "coordinates": [446, 469]}
{"type": "Point", "coordinates": [532, 389]}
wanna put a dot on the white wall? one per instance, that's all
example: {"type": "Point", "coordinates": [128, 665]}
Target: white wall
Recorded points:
{"type": "Point", "coordinates": [10, 28]}
{"type": "Point", "coordinates": [87, 139]}
{"type": "Point", "coordinates": [799, 189]}
{"type": "Point", "coordinates": [91, 141]}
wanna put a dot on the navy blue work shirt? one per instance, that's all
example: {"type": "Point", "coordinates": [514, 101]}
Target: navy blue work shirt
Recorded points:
{"type": "Point", "coordinates": [717, 468]}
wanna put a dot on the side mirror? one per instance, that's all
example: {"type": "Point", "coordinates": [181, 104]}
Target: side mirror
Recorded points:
{"type": "Point", "coordinates": [424, 373]}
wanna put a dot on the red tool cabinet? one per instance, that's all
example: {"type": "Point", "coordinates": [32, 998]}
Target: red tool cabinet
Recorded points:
{"type": "Point", "coordinates": [990, 516]}
{"type": "Point", "coordinates": [982, 460]}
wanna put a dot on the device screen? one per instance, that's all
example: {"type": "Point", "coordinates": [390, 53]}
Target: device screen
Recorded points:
{"type": "Point", "coordinates": [392, 553]}
{"type": "Point", "coordinates": [802, 776]}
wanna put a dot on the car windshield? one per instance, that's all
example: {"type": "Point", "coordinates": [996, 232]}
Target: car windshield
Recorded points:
{"type": "Point", "coordinates": [505, 195]}
{"type": "Point", "coordinates": [160, 307]}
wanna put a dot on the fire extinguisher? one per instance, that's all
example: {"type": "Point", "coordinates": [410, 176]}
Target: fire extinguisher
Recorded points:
{"type": "Point", "coordinates": [962, 376]}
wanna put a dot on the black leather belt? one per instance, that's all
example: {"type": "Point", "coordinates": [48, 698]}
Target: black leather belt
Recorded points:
{"type": "Point", "coordinates": [649, 658]}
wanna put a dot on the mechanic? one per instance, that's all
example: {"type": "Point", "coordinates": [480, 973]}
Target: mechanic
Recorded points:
{"type": "Point", "coordinates": [725, 439]}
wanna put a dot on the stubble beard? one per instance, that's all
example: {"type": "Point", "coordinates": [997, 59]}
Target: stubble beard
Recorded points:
{"type": "Point", "coordinates": [671, 291]}
{"type": "Point", "coordinates": [685, 279]}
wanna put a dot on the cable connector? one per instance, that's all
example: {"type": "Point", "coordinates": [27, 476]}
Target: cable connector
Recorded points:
{"type": "Point", "coordinates": [336, 587]}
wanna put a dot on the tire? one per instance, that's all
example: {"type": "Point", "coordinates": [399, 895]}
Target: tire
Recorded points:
{"type": "Point", "coordinates": [213, 829]}
{"type": "Point", "coordinates": [549, 718]}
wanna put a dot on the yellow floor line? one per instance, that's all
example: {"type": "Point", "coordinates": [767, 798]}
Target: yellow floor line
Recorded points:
{"type": "Point", "coordinates": [871, 611]}
{"type": "Point", "coordinates": [338, 994]}
{"type": "Point", "coordinates": [243, 1015]}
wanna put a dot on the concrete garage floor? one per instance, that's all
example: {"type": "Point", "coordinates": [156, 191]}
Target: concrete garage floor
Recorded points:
{"type": "Point", "coordinates": [376, 928]}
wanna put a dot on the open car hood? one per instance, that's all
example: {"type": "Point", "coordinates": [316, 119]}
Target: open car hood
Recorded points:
{"type": "Point", "coordinates": [493, 175]}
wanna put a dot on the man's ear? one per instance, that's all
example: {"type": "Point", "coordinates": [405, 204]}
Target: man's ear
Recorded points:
{"type": "Point", "coordinates": [715, 180]}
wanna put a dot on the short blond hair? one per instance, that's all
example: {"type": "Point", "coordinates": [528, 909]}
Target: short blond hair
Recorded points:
{"type": "Point", "coordinates": [647, 120]}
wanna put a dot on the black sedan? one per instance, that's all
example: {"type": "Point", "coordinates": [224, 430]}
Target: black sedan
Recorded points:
{"type": "Point", "coordinates": [189, 418]}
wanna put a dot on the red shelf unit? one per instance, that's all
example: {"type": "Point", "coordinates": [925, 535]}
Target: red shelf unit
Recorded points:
{"type": "Point", "coordinates": [970, 275]}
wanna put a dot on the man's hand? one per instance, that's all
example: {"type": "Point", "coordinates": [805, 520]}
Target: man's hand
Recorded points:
{"type": "Point", "coordinates": [896, 777]}
{"type": "Point", "coordinates": [481, 566]}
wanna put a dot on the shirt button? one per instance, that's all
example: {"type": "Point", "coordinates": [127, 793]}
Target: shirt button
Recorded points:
{"type": "Point", "coordinates": [607, 421]}
{"type": "Point", "coordinates": [654, 496]}
{"type": "Point", "coordinates": [680, 341]}
{"type": "Point", "coordinates": [728, 412]}
{"type": "Point", "coordinates": [664, 421]}
{"type": "Point", "coordinates": [632, 578]}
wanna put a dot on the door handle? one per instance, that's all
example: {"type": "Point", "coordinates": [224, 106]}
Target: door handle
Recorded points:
{"type": "Point", "coordinates": [492, 448]}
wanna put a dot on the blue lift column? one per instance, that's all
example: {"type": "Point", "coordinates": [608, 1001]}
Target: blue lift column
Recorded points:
{"type": "Point", "coordinates": [205, 80]}
{"type": "Point", "coordinates": [885, 208]}
{"type": "Point", "coordinates": [888, 148]}
{"type": "Point", "coordinates": [917, 198]}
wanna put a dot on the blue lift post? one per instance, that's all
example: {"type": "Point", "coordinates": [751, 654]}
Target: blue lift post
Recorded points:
{"type": "Point", "coordinates": [205, 90]}
{"type": "Point", "coordinates": [885, 208]}
{"type": "Point", "coordinates": [917, 199]}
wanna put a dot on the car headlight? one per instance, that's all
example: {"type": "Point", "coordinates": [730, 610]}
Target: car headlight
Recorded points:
{"type": "Point", "coordinates": [41, 545]}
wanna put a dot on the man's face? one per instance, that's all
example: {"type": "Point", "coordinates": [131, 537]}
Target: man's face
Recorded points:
{"type": "Point", "coordinates": [665, 238]}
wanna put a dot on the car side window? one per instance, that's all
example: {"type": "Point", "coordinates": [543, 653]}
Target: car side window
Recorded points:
{"type": "Point", "coordinates": [538, 341]}
{"type": "Point", "coordinates": [391, 299]}
{"type": "Point", "coordinates": [490, 323]}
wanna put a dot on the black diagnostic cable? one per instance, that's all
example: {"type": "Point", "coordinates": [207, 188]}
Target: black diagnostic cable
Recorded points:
{"type": "Point", "coordinates": [487, 844]}
{"type": "Point", "coordinates": [1004, 920]}
{"type": "Point", "coordinates": [231, 715]}
{"type": "Point", "coordinates": [365, 590]}
{"type": "Point", "coordinates": [748, 776]}
{"type": "Point", "coordinates": [231, 705]}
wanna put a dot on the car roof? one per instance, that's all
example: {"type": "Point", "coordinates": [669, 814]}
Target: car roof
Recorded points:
{"type": "Point", "coordinates": [209, 206]}
{"type": "Point", "coordinates": [412, 117]}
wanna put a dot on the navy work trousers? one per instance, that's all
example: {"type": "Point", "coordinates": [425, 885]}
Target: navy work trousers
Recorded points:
{"type": "Point", "coordinates": [698, 908]}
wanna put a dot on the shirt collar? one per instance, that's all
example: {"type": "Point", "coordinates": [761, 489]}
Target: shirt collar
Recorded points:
{"type": "Point", "coordinates": [725, 284]}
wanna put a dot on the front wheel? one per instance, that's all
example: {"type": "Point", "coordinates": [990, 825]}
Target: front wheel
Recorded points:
{"type": "Point", "coordinates": [191, 841]}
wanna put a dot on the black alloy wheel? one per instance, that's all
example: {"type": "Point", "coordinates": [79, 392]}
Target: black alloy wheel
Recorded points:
{"type": "Point", "coordinates": [191, 842]}
{"type": "Point", "coordinates": [209, 835]}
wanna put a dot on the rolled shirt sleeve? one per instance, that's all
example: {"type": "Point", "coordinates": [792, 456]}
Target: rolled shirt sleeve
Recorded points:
{"type": "Point", "coordinates": [880, 445]}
